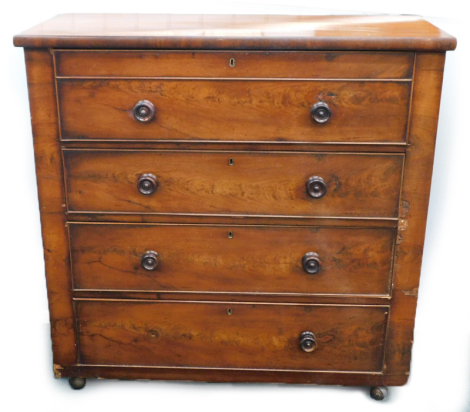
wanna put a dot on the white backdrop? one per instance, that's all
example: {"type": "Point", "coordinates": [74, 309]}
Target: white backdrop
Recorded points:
{"type": "Point", "coordinates": [440, 374]}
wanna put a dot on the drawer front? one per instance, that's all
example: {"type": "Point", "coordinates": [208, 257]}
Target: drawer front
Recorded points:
{"type": "Point", "coordinates": [234, 110]}
{"type": "Point", "coordinates": [253, 336]}
{"type": "Point", "coordinates": [256, 184]}
{"type": "Point", "coordinates": [237, 259]}
{"type": "Point", "coordinates": [233, 64]}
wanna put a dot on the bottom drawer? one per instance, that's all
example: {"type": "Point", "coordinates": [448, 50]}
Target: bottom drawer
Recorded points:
{"type": "Point", "coordinates": [227, 335]}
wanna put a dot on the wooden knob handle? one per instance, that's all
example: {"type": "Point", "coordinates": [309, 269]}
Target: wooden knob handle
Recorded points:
{"type": "Point", "coordinates": [307, 341]}
{"type": "Point", "coordinates": [144, 111]}
{"type": "Point", "coordinates": [147, 184]}
{"type": "Point", "coordinates": [316, 187]}
{"type": "Point", "coordinates": [311, 263]}
{"type": "Point", "coordinates": [150, 260]}
{"type": "Point", "coordinates": [320, 112]}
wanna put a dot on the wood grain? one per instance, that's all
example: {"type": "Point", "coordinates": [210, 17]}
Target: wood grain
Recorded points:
{"type": "Point", "coordinates": [257, 183]}
{"type": "Point", "coordinates": [256, 32]}
{"type": "Point", "coordinates": [255, 336]}
{"type": "Point", "coordinates": [413, 210]}
{"type": "Point", "coordinates": [231, 375]}
{"type": "Point", "coordinates": [160, 63]}
{"type": "Point", "coordinates": [51, 191]}
{"type": "Point", "coordinates": [203, 258]}
{"type": "Point", "coordinates": [381, 77]}
{"type": "Point", "coordinates": [242, 110]}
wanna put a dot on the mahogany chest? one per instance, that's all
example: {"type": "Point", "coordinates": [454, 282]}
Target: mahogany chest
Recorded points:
{"type": "Point", "coordinates": [234, 198]}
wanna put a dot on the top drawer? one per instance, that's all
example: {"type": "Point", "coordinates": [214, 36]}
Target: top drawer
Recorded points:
{"type": "Point", "coordinates": [308, 65]}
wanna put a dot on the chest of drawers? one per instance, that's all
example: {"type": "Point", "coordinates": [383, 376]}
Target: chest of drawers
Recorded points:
{"type": "Point", "coordinates": [234, 198]}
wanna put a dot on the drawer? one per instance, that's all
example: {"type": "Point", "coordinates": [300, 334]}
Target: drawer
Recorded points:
{"type": "Point", "coordinates": [240, 259]}
{"type": "Point", "coordinates": [233, 64]}
{"type": "Point", "coordinates": [262, 183]}
{"type": "Point", "coordinates": [234, 110]}
{"type": "Point", "coordinates": [231, 335]}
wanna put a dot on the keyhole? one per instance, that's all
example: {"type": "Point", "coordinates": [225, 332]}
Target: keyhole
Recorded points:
{"type": "Point", "coordinates": [229, 311]}
{"type": "Point", "coordinates": [231, 62]}
{"type": "Point", "coordinates": [230, 235]}
{"type": "Point", "coordinates": [231, 162]}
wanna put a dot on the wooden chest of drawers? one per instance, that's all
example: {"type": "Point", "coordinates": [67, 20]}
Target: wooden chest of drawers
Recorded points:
{"type": "Point", "coordinates": [234, 198]}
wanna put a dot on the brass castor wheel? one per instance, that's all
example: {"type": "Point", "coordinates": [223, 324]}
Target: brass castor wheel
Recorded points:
{"type": "Point", "coordinates": [379, 393]}
{"type": "Point", "coordinates": [77, 383]}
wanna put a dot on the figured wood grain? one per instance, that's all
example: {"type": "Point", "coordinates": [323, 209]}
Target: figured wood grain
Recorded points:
{"type": "Point", "coordinates": [254, 336]}
{"type": "Point", "coordinates": [262, 32]}
{"type": "Point", "coordinates": [167, 335]}
{"type": "Point", "coordinates": [255, 259]}
{"type": "Point", "coordinates": [243, 110]}
{"type": "Point", "coordinates": [257, 183]}
{"type": "Point", "coordinates": [160, 63]}
{"type": "Point", "coordinates": [51, 191]}
{"type": "Point", "coordinates": [413, 210]}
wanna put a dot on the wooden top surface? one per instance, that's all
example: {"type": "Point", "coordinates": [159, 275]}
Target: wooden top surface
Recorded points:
{"type": "Point", "coordinates": [262, 32]}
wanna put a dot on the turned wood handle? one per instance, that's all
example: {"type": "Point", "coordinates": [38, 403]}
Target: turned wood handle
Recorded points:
{"type": "Point", "coordinates": [316, 187]}
{"type": "Point", "coordinates": [147, 184]}
{"type": "Point", "coordinates": [311, 263]}
{"type": "Point", "coordinates": [307, 341]}
{"type": "Point", "coordinates": [144, 111]}
{"type": "Point", "coordinates": [150, 260]}
{"type": "Point", "coordinates": [320, 112]}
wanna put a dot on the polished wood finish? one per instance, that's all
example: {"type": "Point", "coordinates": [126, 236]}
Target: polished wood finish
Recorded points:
{"type": "Point", "coordinates": [234, 198]}
{"type": "Point", "coordinates": [256, 32]}
{"type": "Point", "coordinates": [227, 110]}
{"type": "Point", "coordinates": [301, 65]}
{"type": "Point", "coordinates": [364, 185]}
{"type": "Point", "coordinates": [253, 336]}
{"type": "Point", "coordinates": [51, 191]}
{"type": "Point", "coordinates": [203, 258]}
{"type": "Point", "coordinates": [413, 210]}
{"type": "Point", "coordinates": [232, 375]}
